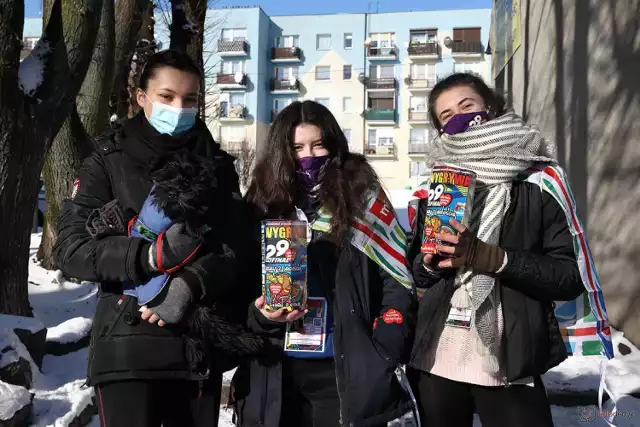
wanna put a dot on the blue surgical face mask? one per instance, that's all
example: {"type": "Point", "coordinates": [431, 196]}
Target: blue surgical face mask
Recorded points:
{"type": "Point", "coordinates": [171, 120]}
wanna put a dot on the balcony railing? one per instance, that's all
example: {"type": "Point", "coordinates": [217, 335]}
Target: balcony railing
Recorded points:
{"type": "Point", "coordinates": [232, 46]}
{"type": "Point", "coordinates": [382, 52]}
{"type": "Point", "coordinates": [230, 79]}
{"type": "Point", "coordinates": [418, 146]}
{"type": "Point", "coordinates": [235, 146]}
{"type": "Point", "coordinates": [237, 112]}
{"type": "Point", "coordinates": [286, 53]}
{"type": "Point", "coordinates": [462, 47]}
{"type": "Point", "coordinates": [381, 83]}
{"type": "Point", "coordinates": [423, 49]}
{"type": "Point", "coordinates": [418, 116]}
{"type": "Point", "coordinates": [380, 115]}
{"type": "Point", "coordinates": [285, 85]}
{"type": "Point", "coordinates": [420, 82]}
{"type": "Point", "coordinates": [375, 148]}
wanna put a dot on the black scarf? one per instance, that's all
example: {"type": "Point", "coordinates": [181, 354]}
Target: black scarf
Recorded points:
{"type": "Point", "coordinates": [145, 145]}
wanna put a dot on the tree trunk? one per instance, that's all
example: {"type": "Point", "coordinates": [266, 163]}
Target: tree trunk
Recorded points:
{"type": "Point", "coordinates": [29, 120]}
{"type": "Point", "coordinates": [187, 35]}
{"type": "Point", "coordinates": [145, 47]}
{"type": "Point", "coordinates": [73, 143]}
{"type": "Point", "coordinates": [130, 15]}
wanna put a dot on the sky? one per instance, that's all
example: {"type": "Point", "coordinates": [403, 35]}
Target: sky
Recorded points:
{"type": "Point", "coordinates": [283, 7]}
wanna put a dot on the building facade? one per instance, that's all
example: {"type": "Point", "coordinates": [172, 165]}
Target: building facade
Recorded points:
{"type": "Point", "coordinates": [373, 71]}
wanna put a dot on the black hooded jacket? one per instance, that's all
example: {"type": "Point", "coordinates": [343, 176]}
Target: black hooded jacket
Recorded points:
{"type": "Point", "coordinates": [123, 346]}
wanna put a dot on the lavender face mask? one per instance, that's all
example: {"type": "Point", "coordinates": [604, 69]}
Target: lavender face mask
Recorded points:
{"type": "Point", "coordinates": [462, 122]}
{"type": "Point", "coordinates": [308, 170]}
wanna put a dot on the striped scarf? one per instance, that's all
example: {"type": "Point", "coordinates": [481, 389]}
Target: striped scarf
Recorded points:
{"type": "Point", "coordinates": [497, 151]}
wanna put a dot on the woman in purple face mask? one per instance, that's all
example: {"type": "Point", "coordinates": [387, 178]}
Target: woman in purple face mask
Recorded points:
{"type": "Point", "coordinates": [348, 379]}
{"type": "Point", "coordinates": [502, 273]}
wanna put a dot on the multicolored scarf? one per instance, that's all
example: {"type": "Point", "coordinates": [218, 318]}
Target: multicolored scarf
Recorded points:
{"type": "Point", "coordinates": [377, 234]}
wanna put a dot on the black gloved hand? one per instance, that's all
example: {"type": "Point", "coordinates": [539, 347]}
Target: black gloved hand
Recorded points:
{"type": "Point", "coordinates": [425, 273]}
{"type": "Point", "coordinates": [174, 248]}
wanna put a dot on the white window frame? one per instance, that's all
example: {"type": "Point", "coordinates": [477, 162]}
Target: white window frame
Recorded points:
{"type": "Point", "coordinates": [347, 104]}
{"type": "Point", "coordinates": [348, 134]}
{"type": "Point", "coordinates": [344, 66]}
{"type": "Point", "coordinates": [417, 163]}
{"type": "Point", "coordinates": [381, 136]}
{"type": "Point", "coordinates": [425, 135]}
{"type": "Point", "coordinates": [417, 106]}
{"type": "Point", "coordinates": [467, 67]}
{"type": "Point", "coordinates": [225, 133]}
{"type": "Point", "coordinates": [382, 40]}
{"type": "Point", "coordinates": [289, 41]}
{"type": "Point", "coordinates": [293, 71]}
{"type": "Point", "coordinates": [233, 63]}
{"type": "Point", "coordinates": [241, 95]}
{"type": "Point", "coordinates": [380, 67]}
{"type": "Point", "coordinates": [421, 40]}
{"type": "Point", "coordinates": [347, 36]}
{"type": "Point", "coordinates": [321, 101]}
{"type": "Point", "coordinates": [328, 67]}
{"type": "Point", "coordinates": [233, 34]}
{"type": "Point", "coordinates": [275, 102]}
{"type": "Point", "coordinates": [323, 36]}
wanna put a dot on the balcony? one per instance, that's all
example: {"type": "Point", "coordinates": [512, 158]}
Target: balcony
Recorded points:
{"type": "Point", "coordinates": [285, 86]}
{"type": "Point", "coordinates": [386, 83]}
{"type": "Point", "coordinates": [418, 147]}
{"type": "Point", "coordinates": [235, 146]}
{"type": "Point", "coordinates": [231, 81]}
{"type": "Point", "coordinates": [424, 50]}
{"type": "Point", "coordinates": [234, 113]}
{"type": "Point", "coordinates": [286, 54]}
{"type": "Point", "coordinates": [387, 53]}
{"type": "Point", "coordinates": [418, 116]}
{"type": "Point", "coordinates": [227, 48]}
{"type": "Point", "coordinates": [462, 49]}
{"type": "Point", "coordinates": [380, 116]}
{"type": "Point", "coordinates": [384, 149]}
{"type": "Point", "coordinates": [420, 83]}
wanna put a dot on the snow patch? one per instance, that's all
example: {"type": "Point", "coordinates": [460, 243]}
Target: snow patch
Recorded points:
{"type": "Point", "coordinates": [12, 399]}
{"type": "Point", "coordinates": [31, 71]}
{"type": "Point", "coordinates": [73, 330]}
{"type": "Point", "coordinates": [9, 339]}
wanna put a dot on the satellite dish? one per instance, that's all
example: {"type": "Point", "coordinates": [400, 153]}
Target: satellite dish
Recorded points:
{"type": "Point", "coordinates": [406, 44]}
{"type": "Point", "coordinates": [292, 80]}
{"type": "Point", "coordinates": [237, 77]}
{"type": "Point", "coordinates": [293, 50]}
{"type": "Point", "coordinates": [447, 41]}
{"type": "Point", "coordinates": [367, 41]}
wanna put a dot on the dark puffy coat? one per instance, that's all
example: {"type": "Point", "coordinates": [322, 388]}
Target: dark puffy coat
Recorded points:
{"type": "Point", "coordinates": [123, 346]}
{"type": "Point", "coordinates": [365, 357]}
{"type": "Point", "coordinates": [541, 269]}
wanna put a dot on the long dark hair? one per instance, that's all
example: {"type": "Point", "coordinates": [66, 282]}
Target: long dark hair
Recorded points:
{"type": "Point", "coordinates": [347, 176]}
{"type": "Point", "coordinates": [494, 102]}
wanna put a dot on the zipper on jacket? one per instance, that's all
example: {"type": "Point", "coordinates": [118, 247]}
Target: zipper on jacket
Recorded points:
{"type": "Point", "coordinates": [200, 385]}
{"type": "Point", "coordinates": [337, 363]}
{"type": "Point", "coordinates": [263, 403]}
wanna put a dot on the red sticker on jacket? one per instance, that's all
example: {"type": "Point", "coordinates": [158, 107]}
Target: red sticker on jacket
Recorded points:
{"type": "Point", "coordinates": [392, 316]}
{"type": "Point", "coordinates": [75, 188]}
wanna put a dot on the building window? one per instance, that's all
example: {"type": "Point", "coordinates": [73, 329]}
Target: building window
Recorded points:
{"type": "Point", "coordinates": [380, 141]}
{"type": "Point", "coordinates": [286, 73]}
{"type": "Point", "coordinates": [346, 72]}
{"type": "Point", "coordinates": [348, 40]}
{"type": "Point", "coordinates": [323, 101]}
{"type": "Point", "coordinates": [323, 72]}
{"type": "Point", "coordinates": [382, 71]}
{"type": "Point", "coordinates": [323, 42]}
{"type": "Point", "coordinates": [232, 67]}
{"type": "Point", "coordinates": [383, 40]}
{"type": "Point", "coordinates": [346, 104]}
{"type": "Point", "coordinates": [466, 35]}
{"type": "Point", "coordinates": [232, 34]}
{"type": "Point", "coordinates": [287, 41]}
{"type": "Point", "coordinates": [417, 169]}
{"type": "Point", "coordinates": [29, 43]}
{"type": "Point", "coordinates": [418, 103]}
{"type": "Point", "coordinates": [280, 104]}
{"type": "Point", "coordinates": [423, 36]}
{"type": "Point", "coordinates": [465, 67]}
{"type": "Point", "coordinates": [233, 133]}
{"type": "Point", "coordinates": [382, 101]}
{"type": "Point", "coordinates": [347, 134]}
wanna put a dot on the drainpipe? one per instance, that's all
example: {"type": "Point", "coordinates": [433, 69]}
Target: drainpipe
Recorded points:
{"type": "Point", "coordinates": [364, 87]}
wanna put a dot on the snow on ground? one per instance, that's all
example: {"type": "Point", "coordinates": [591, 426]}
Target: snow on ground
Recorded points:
{"type": "Point", "coordinates": [66, 308]}
{"type": "Point", "coordinates": [12, 399]}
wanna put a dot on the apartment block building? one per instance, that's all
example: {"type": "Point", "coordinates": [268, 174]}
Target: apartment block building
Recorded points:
{"type": "Point", "coordinates": [373, 71]}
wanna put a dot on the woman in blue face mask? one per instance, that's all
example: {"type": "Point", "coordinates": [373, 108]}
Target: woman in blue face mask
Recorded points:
{"type": "Point", "coordinates": [487, 329]}
{"type": "Point", "coordinates": [357, 275]}
{"type": "Point", "coordinates": [157, 219]}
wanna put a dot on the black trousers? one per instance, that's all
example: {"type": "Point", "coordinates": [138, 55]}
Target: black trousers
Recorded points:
{"type": "Point", "coordinates": [446, 403]}
{"type": "Point", "coordinates": [156, 403]}
{"type": "Point", "coordinates": [309, 393]}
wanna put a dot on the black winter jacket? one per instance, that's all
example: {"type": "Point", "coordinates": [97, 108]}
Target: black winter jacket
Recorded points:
{"type": "Point", "coordinates": [541, 269]}
{"type": "Point", "coordinates": [123, 346]}
{"type": "Point", "coordinates": [365, 357]}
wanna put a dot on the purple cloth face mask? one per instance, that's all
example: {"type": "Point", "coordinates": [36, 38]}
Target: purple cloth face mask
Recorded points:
{"type": "Point", "coordinates": [308, 170]}
{"type": "Point", "coordinates": [462, 122]}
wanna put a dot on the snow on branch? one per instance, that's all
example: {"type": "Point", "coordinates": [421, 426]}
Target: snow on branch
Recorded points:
{"type": "Point", "coordinates": [31, 71]}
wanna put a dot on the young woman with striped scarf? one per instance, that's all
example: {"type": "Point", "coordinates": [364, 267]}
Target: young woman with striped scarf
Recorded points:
{"type": "Point", "coordinates": [356, 267]}
{"type": "Point", "coordinates": [504, 269]}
